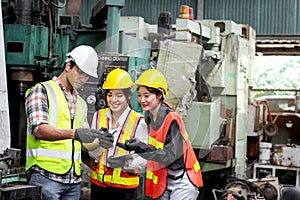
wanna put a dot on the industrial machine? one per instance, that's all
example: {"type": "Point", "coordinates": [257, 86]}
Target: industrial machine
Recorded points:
{"type": "Point", "coordinates": [207, 63]}
{"type": "Point", "coordinates": [37, 35]}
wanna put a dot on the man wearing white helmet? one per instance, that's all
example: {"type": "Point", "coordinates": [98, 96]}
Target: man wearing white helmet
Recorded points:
{"type": "Point", "coordinates": [57, 127]}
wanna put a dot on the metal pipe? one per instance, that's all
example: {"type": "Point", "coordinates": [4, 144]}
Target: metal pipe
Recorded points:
{"type": "Point", "coordinates": [23, 11]}
{"type": "Point", "coordinates": [112, 35]}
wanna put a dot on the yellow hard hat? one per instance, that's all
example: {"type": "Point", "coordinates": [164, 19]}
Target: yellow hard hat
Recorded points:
{"type": "Point", "coordinates": [153, 78]}
{"type": "Point", "coordinates": [118, 79]}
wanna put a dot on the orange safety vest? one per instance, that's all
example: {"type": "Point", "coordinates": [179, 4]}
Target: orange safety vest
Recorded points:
{"type": "Point", "coordinates": [116, 177]}
{"type": "Point", "coordinates": [156, 173]}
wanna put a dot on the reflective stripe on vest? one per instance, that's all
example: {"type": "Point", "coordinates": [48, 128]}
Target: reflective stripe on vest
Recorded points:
{"type": "Point", "coordinates": [57, 156]}
{"type": "Point", "coordinates": [116, 177]}
{"type": "Point", "coordinates": [156, 173]}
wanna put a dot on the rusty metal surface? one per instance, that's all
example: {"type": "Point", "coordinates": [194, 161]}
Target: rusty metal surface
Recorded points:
{"type": "Point", "coordinates": [286, 155]}
{"type": "Point", "coordinates": [220, 153]}
{"type": "Point", "coordinates": [22, 75]}
{"type": "Point", "coordinates": [74, 7]}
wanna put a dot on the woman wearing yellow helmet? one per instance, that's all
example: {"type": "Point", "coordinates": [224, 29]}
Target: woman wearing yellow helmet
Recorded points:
{"type": "Point", "coordinates": [116, 172]}
{"type": "Point", "coordinates": [173, 171]}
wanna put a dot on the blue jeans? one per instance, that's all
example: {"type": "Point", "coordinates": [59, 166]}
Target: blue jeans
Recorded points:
{"type": "Point", "coordinates": [52, 190]}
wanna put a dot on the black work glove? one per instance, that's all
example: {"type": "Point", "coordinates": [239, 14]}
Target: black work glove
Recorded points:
{"type": "Point", "coordinates": [86, 135]}
{"type": "Point", "coordinates": [115, 162]}
{"type": "Point", "coordinates": [106, 139]}
{"type": "Point", "coordinates": [134, 144]}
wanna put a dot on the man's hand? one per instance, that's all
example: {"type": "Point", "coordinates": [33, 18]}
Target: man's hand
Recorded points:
{"type": "Point", "coordinates": [86, 135]}
{"type": "Point", "coordinates": [106, 139]}
{"type": "Point", "coordinates": [115, 162]}
{"type": "Point", "coordinates": [92, 138]}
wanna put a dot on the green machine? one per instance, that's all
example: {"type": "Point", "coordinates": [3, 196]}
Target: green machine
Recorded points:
{"type": "Point", "coordinates": [37, 36]}
{"type": "Point", "coordinates": [117, 50]}
{"type": "Point", "coordinates": [207, 64]}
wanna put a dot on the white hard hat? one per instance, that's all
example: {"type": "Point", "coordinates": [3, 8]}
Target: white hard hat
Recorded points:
{"type": "Point", "coordinates": [86, 59]}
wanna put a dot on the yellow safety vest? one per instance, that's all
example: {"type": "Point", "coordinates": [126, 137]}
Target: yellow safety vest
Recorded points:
{"type": "Point", "coordinates": [57, 156]}
{"type": "Point", "coordinates": [116, 177]}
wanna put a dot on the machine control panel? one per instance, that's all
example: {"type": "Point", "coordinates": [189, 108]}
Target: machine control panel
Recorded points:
{"type": "Point", "coordinates": [92, 91]}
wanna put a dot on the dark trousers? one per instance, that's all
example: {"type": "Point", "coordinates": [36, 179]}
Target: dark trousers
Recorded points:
{"type": "Point", "coordinates": [112, 193]}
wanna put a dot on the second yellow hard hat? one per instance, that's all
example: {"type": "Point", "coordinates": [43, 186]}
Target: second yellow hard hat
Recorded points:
{"type": "Point", "coordinates": [118, 79]}
{"type": "Point", "coordinates": [153, 78]}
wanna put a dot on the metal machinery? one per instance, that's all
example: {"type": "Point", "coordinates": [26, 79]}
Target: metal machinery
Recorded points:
{"type": "Point", "coordinates": [37, 35]}
{"type": "Point", "coordinates": [276, 125]}
{"type": "Point", "coordinates": [214, 98]}
{"type": "Point", "coordinates": [207, 64]}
